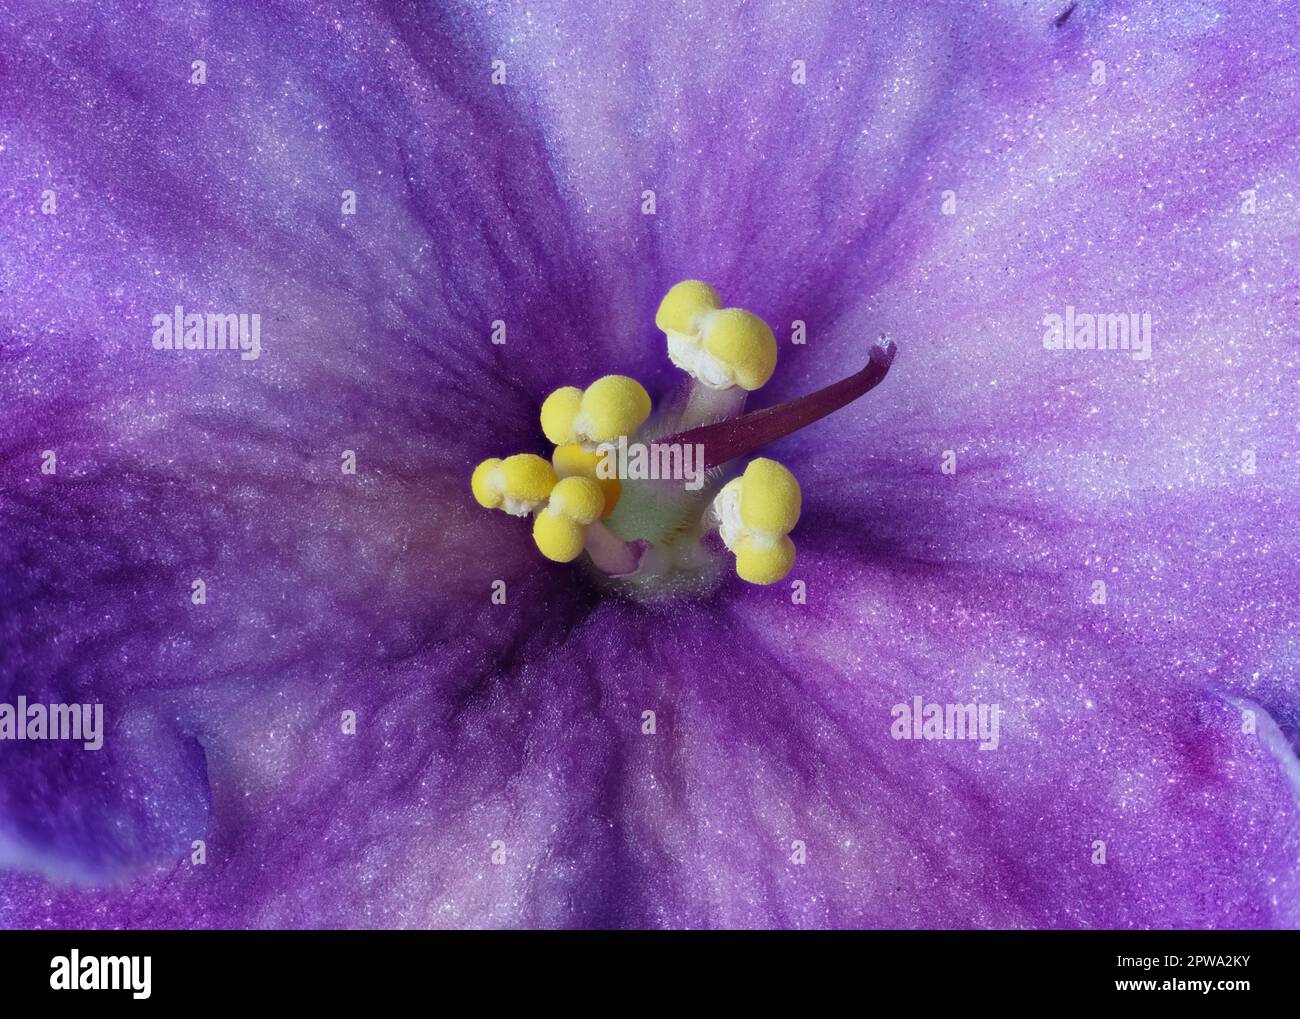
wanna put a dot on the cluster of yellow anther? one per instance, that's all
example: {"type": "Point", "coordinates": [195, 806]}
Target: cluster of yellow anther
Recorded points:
{"type": "Point", "coordinates": [559, 529]}
{"type": "Point", "coordinates": [720, 347]}
{"type": "Point", "coordinates": [574, 461]}
{"type": "Point", "coordinates": [610, 407]}
{"type": "Point", "coordinates": [723, 348]}
{"type": "Point", "coordinates": [566, 495]}
{"type": "Point", "coordinates": [756, 513]}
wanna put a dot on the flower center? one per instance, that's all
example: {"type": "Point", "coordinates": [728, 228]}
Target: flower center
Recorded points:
{"type": "Point", "coordinates": [652, 513]}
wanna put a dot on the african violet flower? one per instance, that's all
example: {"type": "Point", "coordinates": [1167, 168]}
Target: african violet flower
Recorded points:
{"type": "Point", "coordinates": [337, 691]}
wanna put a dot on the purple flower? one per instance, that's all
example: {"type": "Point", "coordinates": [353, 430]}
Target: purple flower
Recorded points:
{"type": "Point", "coordinates": [342, 726]}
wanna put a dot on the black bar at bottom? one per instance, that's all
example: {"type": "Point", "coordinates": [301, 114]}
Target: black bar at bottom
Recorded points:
{"type": "Point", "coordinates": [337, 968]}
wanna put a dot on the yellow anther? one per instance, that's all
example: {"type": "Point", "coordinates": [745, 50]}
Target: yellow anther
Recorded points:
{"type": "Point", "coordinates": [558, 411]}
{"type": "Point", "coordinates": [756, 512]}
{"type": "Point", "coordinates": [574, 461]}
{"type": "Point", "coordinates": [769, 497]}
{"type": "Point", "coordinates": [558, 538]}
{"type": "Point", "coordinates": [577, 499]}
{"type": "Point", "coordinates": [527, 477]}
{"type": "Point", "coordinates": [743, 343]}
{"type": "Point", "coordinates": [611, 407]}
{"type": "Point", "coordinates": [681, 307]}
{"type": "Point", "coordinates": [720, 347]}
{"type": "Point", "coordinates": [518, 484]}
{"type": "Point", "coordinates": [483, 482]}
{"type": "Point", "coordinates": [558, 530]}
{"type": "Point", "coordinates": [761, 563]}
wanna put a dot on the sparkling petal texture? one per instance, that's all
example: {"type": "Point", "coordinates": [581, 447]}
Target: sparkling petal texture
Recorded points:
{"type": "Point", "coordinates": [521, 724]}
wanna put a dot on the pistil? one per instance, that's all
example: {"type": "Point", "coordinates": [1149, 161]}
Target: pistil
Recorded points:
{"type": "Point", "coordinates": [726, 440]}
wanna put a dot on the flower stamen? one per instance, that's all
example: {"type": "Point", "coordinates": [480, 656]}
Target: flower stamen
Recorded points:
{"type": "Point", "coordinates": [518, 484]}
{"type": "Point", "coordinates": [610, 407]}
{"type": "Point", "coordinates": [756, 513]}
{"type": "Point", "coordinates": [611, 554]}
{"type": "Point", "coordinates": [559, 529]}
{"type": "Point", "coordinates": [572, 460]}
{"type": "Point", "coordinates": [728, 352]}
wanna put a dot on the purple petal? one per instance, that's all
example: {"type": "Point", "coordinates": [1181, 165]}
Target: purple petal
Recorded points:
{"type": "Point", "coordinates": [521, 724]}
